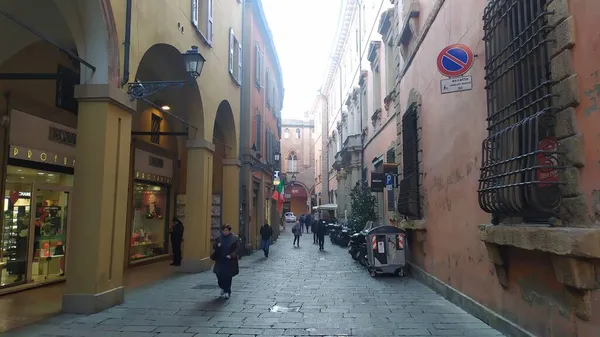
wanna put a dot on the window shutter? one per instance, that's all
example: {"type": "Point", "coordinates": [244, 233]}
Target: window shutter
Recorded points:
{"type": "Point", "coordinates": [262, 69]}
{"type": "Point", "coordinates": [209, 20]}
{"type": "Point", "coordinates": [267, 94]}
{"type": "Point", "coordinates": [240, 58]}
{"type": "Point", "coordinates": [231, 44]}
{"type": "Point", "coordinates": [257, 63]}
{"type": "Point", "coordinates": [195, 13]}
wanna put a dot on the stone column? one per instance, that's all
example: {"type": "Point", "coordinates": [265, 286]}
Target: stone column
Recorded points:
{"type": "Point", "coordinates": [95, 246]}
{"type": "Point", "coordinates": [231, 194]}
{"type": "Point", "coordinates": [196, 246]}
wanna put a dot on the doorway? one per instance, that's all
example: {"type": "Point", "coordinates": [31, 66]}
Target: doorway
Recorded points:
{"type": "Point", "coordinates": [48, 233]}
{"type": "Point", "coordinates": [34, 236]}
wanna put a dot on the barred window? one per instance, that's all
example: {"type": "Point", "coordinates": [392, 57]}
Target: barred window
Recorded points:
{"type": "Point", "coordinates": [519, 170]}
{"type": "Point", "coordinates": [409, 203]}
{"type": "Point", "coordinates": [155, 129]}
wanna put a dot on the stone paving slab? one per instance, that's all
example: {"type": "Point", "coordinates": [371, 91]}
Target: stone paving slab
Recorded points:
{"type": "Point", "coordinates": [322, 294]}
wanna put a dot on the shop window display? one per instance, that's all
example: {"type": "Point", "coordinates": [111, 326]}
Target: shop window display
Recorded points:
{"type": "Point", "coordinates": [15, 236]}
{"type": "Point", "coordinates": [149, 227]}
{"type": "Point", "coordinates": [50, 234]}
{"type": "Point", "coordinates": [44, 196]}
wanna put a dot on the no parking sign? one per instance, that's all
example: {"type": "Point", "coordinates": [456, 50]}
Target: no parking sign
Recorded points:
{"type": "Point", "coordinates": [454, 61]}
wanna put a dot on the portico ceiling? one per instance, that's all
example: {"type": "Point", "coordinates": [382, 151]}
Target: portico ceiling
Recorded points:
{"type": "Point", "coordinates": [42, 16]}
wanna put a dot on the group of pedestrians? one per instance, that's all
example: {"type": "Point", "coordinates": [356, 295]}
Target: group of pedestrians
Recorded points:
{"type": "Point", "coordinates": [317, 226]}
{"type": "Point", "coordinates": [226, 247]}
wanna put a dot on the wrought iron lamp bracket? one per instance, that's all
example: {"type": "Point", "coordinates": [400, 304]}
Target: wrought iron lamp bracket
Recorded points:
{"type": "Point", "coordinates": [137, 90]}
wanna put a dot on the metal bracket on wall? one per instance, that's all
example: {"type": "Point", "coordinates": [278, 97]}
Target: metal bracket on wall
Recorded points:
{"type": "Point", "coordinates": [137, 90]}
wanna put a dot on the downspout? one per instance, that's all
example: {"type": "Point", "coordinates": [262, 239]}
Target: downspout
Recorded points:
{"type": "Point", "coordinates": [127, 43]}
{"type": "Point", "coordinates": [360, 101]}
{"type": "Point", "coordinates": [242, 129]}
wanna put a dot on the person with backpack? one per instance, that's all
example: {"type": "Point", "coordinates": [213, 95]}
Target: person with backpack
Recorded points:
{"type": "Point", "coordinates": [297, 231]}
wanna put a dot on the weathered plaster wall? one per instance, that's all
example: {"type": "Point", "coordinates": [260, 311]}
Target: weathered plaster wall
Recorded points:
{"type": "Point", "coordinates": [453, 127]}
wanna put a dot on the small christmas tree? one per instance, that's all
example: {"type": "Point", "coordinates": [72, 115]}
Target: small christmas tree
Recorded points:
{"type": "Point", "coordinates": [363, 206]}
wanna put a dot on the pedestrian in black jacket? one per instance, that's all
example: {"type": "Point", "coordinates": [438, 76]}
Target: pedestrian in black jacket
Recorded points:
{"type": "Point", "coordinates": [321, 229]}
{"type": "Point", "coordinates": [313, 228]}
{"type": "Point", "coordinates": [176, 232]}
{"type": "Point", "coordinates": [266, 232]}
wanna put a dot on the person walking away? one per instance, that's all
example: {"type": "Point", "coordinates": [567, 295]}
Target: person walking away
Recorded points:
{"type": "Point", "coordinates": [321, 229]}
{"type": "Point", "coordinates": [307, 222]}
{"type": "Point", "coordinates": [176, 231]}
{"type": "Point", "coordinates": [301, 220]}
{"type": "Point", "coordinates": [266, 232]}
{"type": "Point", "coordinates": [225, 255]}
{"type": "Point", "coordinates": [314, 226]}
{"type": "Point", "coordinates": [297, 230]}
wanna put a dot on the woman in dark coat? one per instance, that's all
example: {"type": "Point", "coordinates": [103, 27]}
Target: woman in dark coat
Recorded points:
{"type": "Point", "coordinates": [225, 255]}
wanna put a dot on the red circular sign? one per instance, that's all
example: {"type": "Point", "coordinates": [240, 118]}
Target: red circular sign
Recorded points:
{"type": "Point", "coordinates": [455, 60]}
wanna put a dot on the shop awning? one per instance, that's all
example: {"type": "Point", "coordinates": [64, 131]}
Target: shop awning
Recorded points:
{"type": "Point", "coordinates": [326, 207]}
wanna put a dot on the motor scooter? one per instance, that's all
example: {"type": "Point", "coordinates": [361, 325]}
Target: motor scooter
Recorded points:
{"type": "Point", "coordinates": [354, 245]}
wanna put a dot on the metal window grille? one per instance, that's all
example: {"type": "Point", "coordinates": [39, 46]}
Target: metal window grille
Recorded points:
{"type": "Point", "coordinates": [519, 170]}
{"type": "Point", "coordinates": [155, 129]}
{"type": "Point", "coordinates": [409, 197]}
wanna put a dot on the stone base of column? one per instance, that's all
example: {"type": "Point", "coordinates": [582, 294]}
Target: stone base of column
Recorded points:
{"type": "Point", "coordinates": [192, 266]}
{"type": "Point", "coordinates": [92, 303]}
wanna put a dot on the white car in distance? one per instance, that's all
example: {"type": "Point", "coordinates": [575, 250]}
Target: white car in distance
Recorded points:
{"type": "Point", "coordinates": [290, 217]}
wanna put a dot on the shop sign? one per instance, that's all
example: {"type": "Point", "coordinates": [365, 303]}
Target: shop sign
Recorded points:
{"type": "Point", "coordinates": [62, 136]}
{"type": "Point", "coordinates": [47, 157]}
{"type": "Point", "coordinates": [152, 177]}
{"type": "Point", "coordinates": [156, 162]}
{"type": "Point", "coordinates": [377, 181]}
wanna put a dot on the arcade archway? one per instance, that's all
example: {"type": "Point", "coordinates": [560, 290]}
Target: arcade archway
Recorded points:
{"type": "Point", "coordinates": [226, 166]}
{"type": "Point", "coordinates": [161, 126]}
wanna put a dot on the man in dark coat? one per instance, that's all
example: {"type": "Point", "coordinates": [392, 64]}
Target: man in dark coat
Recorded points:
{"type": "Point", "coordinates": [176, 232]}
{"type": "Point", "coordinates": [321, 229]}
{"type": "Point", "coordinates": [265, 233]}
{"type": "Point", "coordinates": [307, 222]}
{"type": "Point", "coordinates": [225, 255]}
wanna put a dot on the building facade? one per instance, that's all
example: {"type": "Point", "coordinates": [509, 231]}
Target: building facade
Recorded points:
{"type": "Point", "coordinates": [104, 141]}
{"type": "Point", "coordinates": [298, 164]}
{"type": "Point", "coordinates": [261, 106]}
{"type": "Point", "coordinates": [342, 105]}
{"type": "Point", "coordinates": [496, 179]}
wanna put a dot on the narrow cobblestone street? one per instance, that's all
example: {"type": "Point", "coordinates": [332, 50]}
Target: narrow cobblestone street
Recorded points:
{"type": "Point", "coordinates": [320, 294]}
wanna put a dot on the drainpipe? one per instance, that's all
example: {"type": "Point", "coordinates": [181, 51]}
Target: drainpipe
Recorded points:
{"type": "Point", "coordinates": [127, 43]}
{"type": "Point", "coordinates": [360, 101]}
{"type": "Point", "coordinates": [242, 129]}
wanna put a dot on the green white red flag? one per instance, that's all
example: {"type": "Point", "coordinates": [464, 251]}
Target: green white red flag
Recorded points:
{"type": "Point", "coordinates": [279, 195]}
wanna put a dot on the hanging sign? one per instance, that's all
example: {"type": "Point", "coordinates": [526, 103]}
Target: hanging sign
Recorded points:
{"type": "Point", "coordinates": [455, 60]}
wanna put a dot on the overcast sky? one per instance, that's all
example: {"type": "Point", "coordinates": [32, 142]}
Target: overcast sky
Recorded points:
{"type": "Point", "coordinates": [303, 32]}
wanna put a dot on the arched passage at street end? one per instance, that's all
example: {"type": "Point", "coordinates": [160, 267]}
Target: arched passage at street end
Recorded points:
{"type": "Point", "coordinates": [162, 125]}
{"type": "Point", "coordinates": [298, 200]}
{"type": "Point", "coordinates": [59, 68]}
{"type": "Point", "coordinates": [226, 168]}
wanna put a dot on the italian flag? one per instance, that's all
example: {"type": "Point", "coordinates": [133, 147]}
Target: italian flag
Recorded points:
{"type": "Point", "coordinates": [279, 195]}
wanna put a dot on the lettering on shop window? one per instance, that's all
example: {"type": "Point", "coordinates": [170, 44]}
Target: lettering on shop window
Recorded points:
{"type": "Point", "coordinates": [40, 156]}
{"type": "Point", "coordinates": [62, 136]}
{"type": "Point", "coordinates": [152, 177]}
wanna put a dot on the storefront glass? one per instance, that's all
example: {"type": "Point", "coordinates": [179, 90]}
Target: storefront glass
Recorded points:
{"type": "Point", "coordinates": [149, 227]}
{"type": "Point", "coordinates": [33, 249]}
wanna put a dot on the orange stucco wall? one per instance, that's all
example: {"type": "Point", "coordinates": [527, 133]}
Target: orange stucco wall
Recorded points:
{"type": "Point", "coordinates": [453, 127]}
